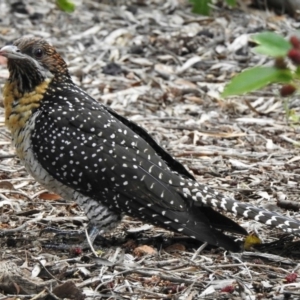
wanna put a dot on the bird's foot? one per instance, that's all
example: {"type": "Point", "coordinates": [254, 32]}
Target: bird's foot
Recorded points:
{"type": "Point", "coordinates": [71, 239]}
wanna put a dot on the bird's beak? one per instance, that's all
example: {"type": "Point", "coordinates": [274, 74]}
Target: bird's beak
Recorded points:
{"type": "Point", "coordinates": [11, 52]}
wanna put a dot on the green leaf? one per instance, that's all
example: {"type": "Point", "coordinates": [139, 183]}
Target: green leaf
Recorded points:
{"type": "Point", "coordinates": [271, 44]}
{"type": "Point", "coordinates": [297, 72]}
{"type": "Point", "coordinates": [66, 5]}
{"type": "Point", "coordinates": [231, 2]}
{"type": "Point", "coordinates": [294, 116]}
{"type": "Point", "coordinates": [254, 79]}
{"type": "Point", "coordinates": [201, 7]}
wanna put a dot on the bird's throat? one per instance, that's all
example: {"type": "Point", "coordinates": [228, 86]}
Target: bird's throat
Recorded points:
{"type": "Point", "coordinates": [18, 106]}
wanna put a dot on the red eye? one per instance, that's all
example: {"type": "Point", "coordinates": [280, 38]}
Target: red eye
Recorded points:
{"type": "Point", "coordinates": [38, 53]}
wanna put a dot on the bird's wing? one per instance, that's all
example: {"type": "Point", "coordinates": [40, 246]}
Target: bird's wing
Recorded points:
{"type": "Point", "coordinates": [98, 155]}
{"type": "Point", "coordinates": [173, 164]}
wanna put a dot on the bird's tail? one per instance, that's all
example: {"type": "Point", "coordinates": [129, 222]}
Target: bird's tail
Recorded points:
{"type": "Point", "coordinates": [212, 198]}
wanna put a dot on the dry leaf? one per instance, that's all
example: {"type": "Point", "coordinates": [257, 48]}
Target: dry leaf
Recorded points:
{"type": "Point", "coordinates": [6, 185]}
{"type": "Point", "coordinates": [144, 250]}
{"type": "Point", "coordinates": [3, 60]}
{"type": "Point", "coordinates": [68, 290]}
{"type": "Point", "coordinates": [49, 196]}
{"type": "Point", "coordinates": [175, 247]}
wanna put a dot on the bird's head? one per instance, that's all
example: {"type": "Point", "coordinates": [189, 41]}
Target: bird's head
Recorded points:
{"type": "Point", "coordinates": [31, 61]}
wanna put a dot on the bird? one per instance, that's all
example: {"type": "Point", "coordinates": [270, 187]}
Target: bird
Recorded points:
{"type": "Point", "coordinates": [86, 152]}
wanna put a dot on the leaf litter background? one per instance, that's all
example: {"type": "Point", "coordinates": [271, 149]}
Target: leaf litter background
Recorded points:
{"type": "Point", "coordinates": [163, 67]}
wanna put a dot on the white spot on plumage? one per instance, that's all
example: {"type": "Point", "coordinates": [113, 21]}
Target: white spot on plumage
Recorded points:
{"type": "Point", "coordinates": [186, 191]}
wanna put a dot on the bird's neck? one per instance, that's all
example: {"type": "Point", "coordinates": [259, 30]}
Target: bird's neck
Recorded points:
{"type": "Point", "coordinates": [19, 106]}
{"type": "Point", "coordinates": [27, 76]}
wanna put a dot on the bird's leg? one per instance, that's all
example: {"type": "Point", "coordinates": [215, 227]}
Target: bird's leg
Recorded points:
{"type": "Point", "coordinates": [92, 232]}
{"type": "Point", "coordinates": [60, 232]}
{"type": "Point", "coordinates": [73, 238]}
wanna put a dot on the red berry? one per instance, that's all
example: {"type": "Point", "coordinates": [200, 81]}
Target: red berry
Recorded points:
{"type": "Point", "coordinates": [287, 90]}
{"type": "Point", "coordinates": [228, 289]}
{"type": "Point", "coordinates": [291, 277]}
{"type": "Point", "coordinates": [295, 42]}
{"type": "Point", "coordinates": [294, 55]}
{"type": "Point", "coordinates": [76, 251]}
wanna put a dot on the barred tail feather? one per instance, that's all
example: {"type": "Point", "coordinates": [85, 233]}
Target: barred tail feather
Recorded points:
{"type": "Point", "coordinates": [214, 199]}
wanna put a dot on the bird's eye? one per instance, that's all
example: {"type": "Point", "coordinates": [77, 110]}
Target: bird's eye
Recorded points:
{"type": "Point", "coordinates": [38, 53]}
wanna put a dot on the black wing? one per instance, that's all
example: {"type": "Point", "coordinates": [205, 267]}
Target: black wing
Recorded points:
{"type": "Point", "coordinates": [173, 164]}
